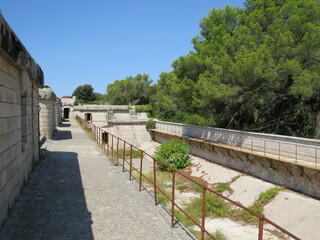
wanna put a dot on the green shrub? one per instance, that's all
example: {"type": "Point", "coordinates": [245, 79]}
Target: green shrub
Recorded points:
{"type": "Point", "coordinates": [143, 108]}
{"type": "Point", "coordinates": [174, 153]}
{"type": "Point", "coordinates": [151, 124]}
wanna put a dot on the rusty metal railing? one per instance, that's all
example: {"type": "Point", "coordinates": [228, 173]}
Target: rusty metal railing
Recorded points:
{"type": "Point", "coordinates": [117, 147]}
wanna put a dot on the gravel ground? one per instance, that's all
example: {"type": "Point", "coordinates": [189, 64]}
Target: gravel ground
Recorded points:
{"type": "Point", "coordinates": [76, 193]}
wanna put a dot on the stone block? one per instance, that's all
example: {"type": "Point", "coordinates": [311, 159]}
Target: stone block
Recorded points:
{"type": "Point", "coordinates": [8, 68]}
{"type": "Point", "coordinates": [25, 84]}
{"type": "Point", "coordinates": [11, 169]}
{"type": "Point", "coordinates": [9, 155]}
{"type": "Point", "coordinates": [3, 178]}
{"type": "Point", "coordinates": [3, 198]}
{"type": "Point", "coordinates": [9, 139]}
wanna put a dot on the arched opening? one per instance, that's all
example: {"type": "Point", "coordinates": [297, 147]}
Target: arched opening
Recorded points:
{"type": "Point", "coordinates": [66, 113]}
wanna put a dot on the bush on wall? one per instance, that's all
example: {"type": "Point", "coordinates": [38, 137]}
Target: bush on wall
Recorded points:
{"type": "Point", "coordinates": [151, 124]}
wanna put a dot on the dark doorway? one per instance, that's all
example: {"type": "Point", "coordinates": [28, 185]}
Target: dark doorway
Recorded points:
{"type": "Point", "coordinates": [88, 117]}
{"type": "Point", "coordinates": [66, 113]}
{"type": "Point", "coordinates": [105, 137]}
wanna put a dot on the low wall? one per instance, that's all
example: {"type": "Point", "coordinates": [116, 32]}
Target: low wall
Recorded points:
{"type": "Point", "coordinates": [135, 134]}
{"type": "Point", "coordinates": [290, 175]}
{"type": "Point", "coordinates": [291, 147]}
{"type": "Point", "coordinates": [102, 114]}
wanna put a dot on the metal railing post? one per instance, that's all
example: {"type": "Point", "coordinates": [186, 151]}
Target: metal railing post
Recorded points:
{"type": "Point", "coordinates": [117, 150]}
{"type": "Point", "coordinates": [140, 177]}
{"type": "Point", "coordinates": [155, 182]}
{"type": "Point", "coordinates": [112, 146]}
{"type": "Point", "coordinates": [124, 155]}
{"type": "Point", "coordinates": [130, 170]}
{"type": "Point", "coordinates": [172, 196]}
{"type": "Point", "coordinates": [261, 221]}
{"type": "Point", "coordinates": [203, 217]}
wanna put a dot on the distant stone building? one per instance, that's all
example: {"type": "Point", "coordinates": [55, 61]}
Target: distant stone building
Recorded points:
{"type": "Point", "coordinates": [20, 80]}
{"type": "Point", "coordinates": [67, 106]}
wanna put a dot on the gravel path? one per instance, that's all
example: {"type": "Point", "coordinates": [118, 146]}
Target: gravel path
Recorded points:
{"type": "Point", "coordinates": [75, 193]}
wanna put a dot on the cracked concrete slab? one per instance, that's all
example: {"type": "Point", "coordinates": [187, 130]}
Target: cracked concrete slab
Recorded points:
{"type": "Point", "coordinates": [297, 213]}
{"type": "Point", "coordinates": [210, 172]}
{"type": "Point", "coordinates": [246, 189]}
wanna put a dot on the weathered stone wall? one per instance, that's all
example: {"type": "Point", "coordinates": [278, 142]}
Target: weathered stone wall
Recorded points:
{"type": "Point", "coordinates": [20, 79]}
{"type": "Point", "coordinates": [47, 100]}
{"type": "Point", "coordinates": [58, 111]}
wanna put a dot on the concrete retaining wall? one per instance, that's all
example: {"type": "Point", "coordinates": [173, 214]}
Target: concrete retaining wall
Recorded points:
{"type": "Point", "coordinates": [297, 178]}
{"type": "Point", "coordinates": [286, 146]}
{"type": "Point", "coordinates": [132, 133]}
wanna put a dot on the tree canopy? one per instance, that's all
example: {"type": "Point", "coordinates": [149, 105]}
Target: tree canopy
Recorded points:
{"type": "Point", "coordinates": [254, 68]}
{"type": "Point", "coordinates": [132, 90]}
{"type": "Point", "coordinates": [84, 93]}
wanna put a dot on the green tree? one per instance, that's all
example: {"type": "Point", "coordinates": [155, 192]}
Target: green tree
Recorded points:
{"type": "Point", "coordinates": [254, 68]}
{"type": "Point", "coordinates": [84, 93]}
{"type": "Point", "coordinates": [132, 90]}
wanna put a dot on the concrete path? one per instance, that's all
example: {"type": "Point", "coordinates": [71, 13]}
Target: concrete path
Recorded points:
{"type": "Point", "coordinates": [75, 193]}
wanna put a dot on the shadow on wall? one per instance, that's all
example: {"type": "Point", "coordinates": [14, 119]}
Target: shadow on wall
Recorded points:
{"type": "Point", "coordinates": [52, 205]}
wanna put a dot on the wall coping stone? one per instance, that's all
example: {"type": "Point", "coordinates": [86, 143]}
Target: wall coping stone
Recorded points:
{"type": "Point", "coordinates": [253, 134]}
{"type": "Point", "coordinates": [13, 50]}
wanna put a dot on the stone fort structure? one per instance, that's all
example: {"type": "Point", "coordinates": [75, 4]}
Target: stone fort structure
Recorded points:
{"type": "Point", "coordinates": [49, 111]}
{"type": "Point", "coordinates": [20, 80]}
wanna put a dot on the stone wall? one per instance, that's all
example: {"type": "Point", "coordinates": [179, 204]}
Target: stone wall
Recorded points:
{"type": "Point", "coordinates": [58, 111]}
{"type": "Point", "coordinates": [20, 79]}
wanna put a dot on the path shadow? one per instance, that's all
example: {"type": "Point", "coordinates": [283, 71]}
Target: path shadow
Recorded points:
{"type": "Point", "coordinates": [52, 205]}
{"type": "Point", "coordinates": [62, 135]}
{"type": "Point", "coordinates": [62, 124]}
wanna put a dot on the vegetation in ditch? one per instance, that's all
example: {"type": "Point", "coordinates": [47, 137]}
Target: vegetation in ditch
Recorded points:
{"type": "Point", "coordinates": [215, 207]}
{"type": "Point", "coordinates": [174, 153]}
{"type": "Point", "coordinates": [135, 153]}
{"type": "Point", "coordinates": [218, 235]}
{"type": "Point", "coordinates": [223, 187]}
{"type": "Point", "coordinates": [264, 198]}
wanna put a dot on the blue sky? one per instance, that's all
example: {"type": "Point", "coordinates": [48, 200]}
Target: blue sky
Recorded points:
{"type": "Point", "coordinates": [99, 41]}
